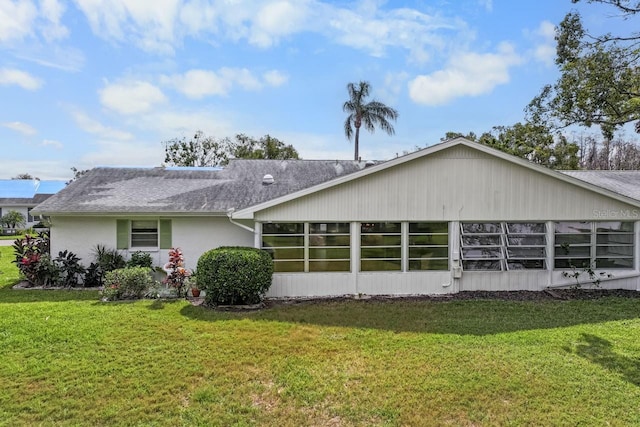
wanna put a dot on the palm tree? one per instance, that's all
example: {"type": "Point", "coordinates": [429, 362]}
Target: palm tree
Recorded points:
{"type": "Point", "coordinates": [371, 114]}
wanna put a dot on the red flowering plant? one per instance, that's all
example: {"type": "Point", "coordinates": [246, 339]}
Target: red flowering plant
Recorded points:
{"type": "Point", "coordinates": [32, 258]}
{"type": "Point", "coordinates": [177, 274]}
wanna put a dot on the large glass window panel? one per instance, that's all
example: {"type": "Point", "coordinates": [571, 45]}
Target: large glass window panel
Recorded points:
{"type": "Point", "coordinates": [482, 246]}
{"type": "Point", "coordinates": [380, 265]}
{"type": "Point", "coordinates": [601, 245]}
{"type": "Point", "coordinates": [324, 247]}
{"type": "Point", "coordinates": [330, 246]}
{"type": "Point", "coordinates": [481, 228]}
{"type": "Point", "coordinates": [285, 242]}
{"type": "Point", "coordinates": [428, 246]}
{"type": "Point", "coordinates": [380, 246]}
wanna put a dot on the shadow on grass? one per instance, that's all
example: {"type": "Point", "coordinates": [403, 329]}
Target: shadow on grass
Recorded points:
{"type": "Point", "coordinates": [600, 351]}
{"type": "Point", "coordinates": [478, 317]}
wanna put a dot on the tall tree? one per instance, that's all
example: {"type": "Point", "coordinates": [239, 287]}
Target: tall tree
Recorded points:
{"type": "Point", "coordinates": [599, 82]}
{"type": "Point", "coordinates": [200, 150]}
{"type": "Point", "coordinates": [532, 142]}
{"type": "Point", "coordinates": [267, 147]}
{"type": "Point", "coordinates": [25, 176]}
{"type": "Point", "coordinates": [371, 114]}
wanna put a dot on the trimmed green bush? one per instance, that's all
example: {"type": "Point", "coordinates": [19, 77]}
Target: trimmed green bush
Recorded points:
{"type": "Point", "coordinates": [127, 283]}
{"type": "Point", "coordinates": [140, 259]}
{"type": "Point", "coordinates": [234, 275]}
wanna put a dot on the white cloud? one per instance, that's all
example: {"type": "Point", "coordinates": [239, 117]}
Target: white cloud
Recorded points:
{"type": "Point", "coordinates": [16, 19]}
{"type": "Point", "coordinates": [94, 127]}
{"type": "Point", "coordinates": [52, 143]}
{"type": "Point", "coordinates": [197, 84]}
{"type": "Point", "coordinates": [276, 20]}
{"type": "Point", "coordinates": [21, 127]}
{"type": "Point", "coordinates": [160, 25]}
{"type": "Point", "coordinates": [131, 97]}
{"type": "Point", "coordinates": [12, 76]}
{"type": "Point", "coordinates": [468, 74]}
{"type": "Point", "coordinates": [150, 23]}
{"type": "Point", "coordinates": [275, 78]}
{"type": "Point", "coordinates": [545, 50]}
{"type": "Point", "coordinates": [52, 11]}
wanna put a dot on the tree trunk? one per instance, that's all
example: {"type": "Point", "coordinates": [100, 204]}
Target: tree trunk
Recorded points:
{"type": "Point", "coordinates": [356, 142]}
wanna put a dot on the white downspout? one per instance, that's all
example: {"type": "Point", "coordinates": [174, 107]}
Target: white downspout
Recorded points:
{"type": "Point", "coordinates": [229, 213]}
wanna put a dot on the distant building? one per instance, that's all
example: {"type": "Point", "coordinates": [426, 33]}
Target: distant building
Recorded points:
{"type": "Point", "coordinates": [22, 195]}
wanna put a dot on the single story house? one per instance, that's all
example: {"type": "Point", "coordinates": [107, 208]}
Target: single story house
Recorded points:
{"type": "Point", "coordinates": [22, 195]}
{"type": "Point", "coordinates": [454, 216]}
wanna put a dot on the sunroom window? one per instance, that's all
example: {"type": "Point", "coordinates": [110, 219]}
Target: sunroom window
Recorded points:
{"type": "Point", "coordinates": [428, 246]}
{"type": "Point", "coordinates": [330, 246]}
{"type": "Point", "coordinates": [381, 246]}
{"type": "Point", "coordinates": [501, 246]}
{"type": "Point", "coordinates": [285, 242]}
{"type": "Point", "coordinates": [602, 245]}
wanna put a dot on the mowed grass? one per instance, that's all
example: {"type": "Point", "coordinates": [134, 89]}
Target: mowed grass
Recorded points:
{"type": "Point", "coordinates": [68, 359]}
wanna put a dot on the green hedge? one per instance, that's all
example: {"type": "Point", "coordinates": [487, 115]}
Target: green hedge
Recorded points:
{"type": "Point", "coordinates": [234, 275]}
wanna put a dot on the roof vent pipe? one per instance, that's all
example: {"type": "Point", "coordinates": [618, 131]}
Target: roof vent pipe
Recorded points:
{"type": "Point", "coordinates": [267, 179]}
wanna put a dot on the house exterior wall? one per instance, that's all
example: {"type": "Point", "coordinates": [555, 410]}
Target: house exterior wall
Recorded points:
{"type": "Point", "coordinates": [194, 235]}
{"type": "Point", "coordinates": [454, 185]}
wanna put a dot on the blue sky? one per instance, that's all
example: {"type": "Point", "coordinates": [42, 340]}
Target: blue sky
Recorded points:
{"type": "Point", "coordinates": [85, 83]}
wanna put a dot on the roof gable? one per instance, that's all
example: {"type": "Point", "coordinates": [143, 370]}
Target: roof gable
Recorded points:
{"type": "Point", "coordinates": [458, 146]}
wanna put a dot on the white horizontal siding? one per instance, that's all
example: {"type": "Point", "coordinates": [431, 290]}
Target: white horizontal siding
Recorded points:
{"type": "Point", "coordinates": [456, 184]}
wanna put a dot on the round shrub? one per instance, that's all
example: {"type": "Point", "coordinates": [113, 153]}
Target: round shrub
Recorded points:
{"type": "Point", "coordinates": [126, 283]}
{"type": "Point", "coordinates": [234, 275]}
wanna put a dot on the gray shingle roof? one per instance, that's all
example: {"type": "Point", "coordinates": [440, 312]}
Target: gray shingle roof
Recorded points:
{"type": "Point", "coordinates": [626, 183]}
{"type": "Point", "coordinates": [160, 190]}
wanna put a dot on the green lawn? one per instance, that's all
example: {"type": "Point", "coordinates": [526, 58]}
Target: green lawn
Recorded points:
{"type": "Point", "coordinates": [68, 359]}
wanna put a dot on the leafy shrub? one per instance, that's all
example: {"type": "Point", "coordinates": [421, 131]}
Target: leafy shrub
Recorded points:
{"type": "Point", "coordinates": [29, 252]}
{"type": "Point", "coordinates": [234, 275]}
{"type": "Point", "coordinates": [140, 259]}
{"type": "Point", "coordinates": [126, 283]}
{"type": "Point", "coordinates": [69, 269]}
{"type": "Point", "coordinates": [105, 260]}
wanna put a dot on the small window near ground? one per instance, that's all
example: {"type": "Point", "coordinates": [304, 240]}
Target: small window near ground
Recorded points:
{"type": "Point", "coordinates": [144, 234]}
{"type": "Point", "coordinates": [428, 246]}
{"type": "Point", "coordinates": [381, 246]}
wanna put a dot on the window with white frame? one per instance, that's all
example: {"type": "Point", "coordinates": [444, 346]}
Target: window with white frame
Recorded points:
{"type": "Point", "coordinates": [144, 233]}
{"type": "Point", "coordinates": [29, 216]}
{"type": "Point", "coordinates": [285, 242]}
{"type": "Point", "coordinates": [501, 246]}
{"type": "Point", "coordinates": [526, 245]}
{"type": "Point", "coordinates": [381, 246]}
{"type": "Point", "coordinates": [428, 246]}
{"type": "Point", "coordinates": [330, 246]}
{"type": "Point", "coordinates": [600, 245]}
